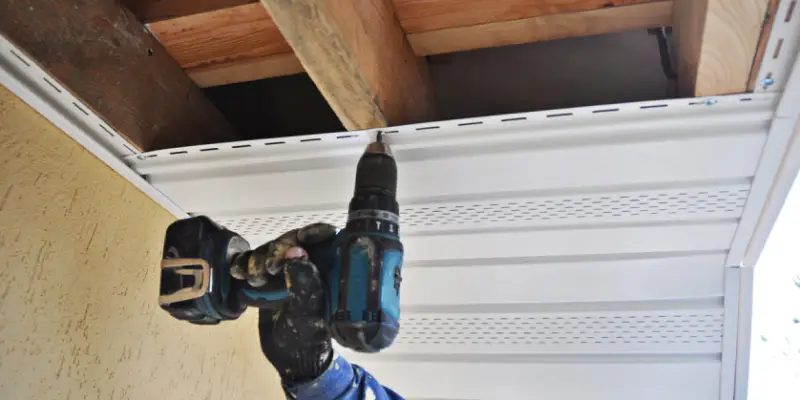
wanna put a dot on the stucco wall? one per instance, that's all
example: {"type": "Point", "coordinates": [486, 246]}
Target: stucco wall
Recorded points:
{"type": "Point", "coordinates": [79, 253]}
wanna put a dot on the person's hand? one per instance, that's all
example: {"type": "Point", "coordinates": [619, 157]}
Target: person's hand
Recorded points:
{"type": "Point", "coordinates": [295, 337]}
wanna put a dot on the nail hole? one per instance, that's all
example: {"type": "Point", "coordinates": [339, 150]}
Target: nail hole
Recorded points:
{"type": "Point", "coordinates": [777, 49]}
{"type": "Point", "coordinates": [79, 108]}
{"type": "Point", "coordinates": [605, 111]}
{"type": "Point", "coordinates": [653, 106]}
{"type": "Point", "coordinates": [20, 58]}
{"type": "Point", "coordinates": [790, 12]}
{"type": "Point", "coordinates": [425, 128]}
{"type": "Point", "coordinates": [310, 140]}
{"type": "Point", "coordinates": [106, 129]}
{"type": "Point", "coordinates": [178, 152]}
{"type": "Point", "coordinates": [271, 143]}
{"type": "Point", "coordinates": [240, 146]}
{"type": "Point", "coordinates": [470, 123]}
{"type": "Point", "coordinates": [51, 84]}
{"type": "Point", "coordinates": [149, 52]}
{"type": "Point", "coordinates": [514, 119]}
{"type": "Point", "coordinates": [559, 115]}
{"type": "Point", "coordinates": [210, 149]}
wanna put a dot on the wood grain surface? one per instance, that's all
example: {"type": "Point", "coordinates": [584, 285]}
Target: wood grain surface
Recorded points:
{"type": "Point", "coordinates": [79, 254]}
{"type": "Point", "coordinates": [717, 42]}
{"type": "Point", "coordinates": [100, 52]}
{"type": "Point", "coordinates": [427, 15]}
{"type": "Point", "coordinates": [228, 35]}
{"type": "Point", "coordinates": [549, 27]}
{"type": "Point", "coordinates": [357, 55]}
{"type": "Point", "coordinates": [690, 19]}
{"type": "Point", "coordinates": [246, 70]}
{"type": "Point", "coordinates": [232, 44]}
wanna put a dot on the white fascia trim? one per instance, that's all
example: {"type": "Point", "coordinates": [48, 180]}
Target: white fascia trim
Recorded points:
{"type": "Point", "coordinates": [776, 172]}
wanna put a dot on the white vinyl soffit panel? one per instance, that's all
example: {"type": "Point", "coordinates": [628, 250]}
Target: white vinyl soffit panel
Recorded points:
{"type": "Point", "coordinates": [569, 254]}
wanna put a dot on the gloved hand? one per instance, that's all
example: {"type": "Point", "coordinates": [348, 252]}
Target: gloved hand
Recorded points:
{"type": "Point", "coordinates": [295, 337]}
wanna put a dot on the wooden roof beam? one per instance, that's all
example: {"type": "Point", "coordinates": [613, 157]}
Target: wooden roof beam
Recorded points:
{"type": "Point", "coordinates": [102, 54]}
{"type": "Point", "coordinates": [544, 27]}
{"type": "Point", "coordinates": [357, 55]}
{"type": "Point", "coordinates": [229, 45]}
{"type": "Point", "coordinates": [717, 41]}
{"type": "Point", "coordinates": [418, 16]}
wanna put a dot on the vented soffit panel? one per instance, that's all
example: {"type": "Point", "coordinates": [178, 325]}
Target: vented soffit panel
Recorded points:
{"type": "Point", "coordinates": [570, 254]}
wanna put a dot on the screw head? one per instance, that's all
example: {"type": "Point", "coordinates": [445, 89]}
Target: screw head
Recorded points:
{"type": "Point", "coordinates": [767, 82]}
{"type": "Point", "coordinates": [710, 102]}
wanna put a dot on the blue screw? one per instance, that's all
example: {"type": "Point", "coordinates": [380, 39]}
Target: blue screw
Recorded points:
{"type": "Point", "coordinates": [767, 82]}
{"type": "Point", "coordinates": [710, 102]}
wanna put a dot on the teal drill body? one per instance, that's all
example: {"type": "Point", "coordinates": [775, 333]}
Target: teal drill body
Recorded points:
{"type": "Point", "coordinates": [365, 284]}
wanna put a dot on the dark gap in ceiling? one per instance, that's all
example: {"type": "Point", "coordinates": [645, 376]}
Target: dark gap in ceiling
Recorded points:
{"type": "Point", "coordinates": [275, 107]}
{"type": "Point", "coordinates": [575, 72]}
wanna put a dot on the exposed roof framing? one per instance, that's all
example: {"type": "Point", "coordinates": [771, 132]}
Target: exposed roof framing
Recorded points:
{"type": "Point", "coordinates": [363, 55]}
{"type": "Point", "coordinates": [101, 53]}
{"type": "Point", "coordinates": [229, 45]}
{"type": "Point", "coordinates": [717, 42]}
{"type": "Point", "coordinates": [207, 41]}
{"type": "Point", "coordinates": [542, 27]}
{"type": "Point", "coordinates": [358, 56]}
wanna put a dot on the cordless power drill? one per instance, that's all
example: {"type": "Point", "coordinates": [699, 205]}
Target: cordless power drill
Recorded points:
{"type": "Point", "coordinates": [364, 281]}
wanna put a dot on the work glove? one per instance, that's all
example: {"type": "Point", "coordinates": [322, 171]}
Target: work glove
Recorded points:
{"type": "Point", "coordinates": [295, 337]}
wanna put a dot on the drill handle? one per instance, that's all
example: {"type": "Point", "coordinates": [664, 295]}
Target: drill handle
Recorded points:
{"type": "Point", "coordinates": [270, 296]}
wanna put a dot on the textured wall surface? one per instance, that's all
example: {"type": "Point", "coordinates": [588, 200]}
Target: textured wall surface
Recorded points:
{"type": "Point", "coordinates": [79, 253]}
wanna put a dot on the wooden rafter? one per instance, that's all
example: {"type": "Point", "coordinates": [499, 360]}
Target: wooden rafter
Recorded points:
{"type": "Point", "coordinates": [234, 33]}
{"type": "Point", "coordinates": [430, 15]}
{"type": "Point", "coordinates": [230, 45]}
{"type": "Point", "coordinates": [101, 53]}
{"type": "Point", "coordinates": [357, 55]}
{"type": "Point", "coordinates": [717, 42]}
{"type": "Point", "coordinates": [245, 70]}
{"type": "Point", "coordinates": [539, 28]}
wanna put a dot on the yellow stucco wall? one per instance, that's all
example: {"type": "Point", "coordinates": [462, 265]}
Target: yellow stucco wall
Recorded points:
{"type": "Point", "coordinates": [79, 253]}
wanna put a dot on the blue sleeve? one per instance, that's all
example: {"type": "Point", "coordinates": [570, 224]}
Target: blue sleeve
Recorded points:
{"type": "Point", "coordinates": [342, 381]}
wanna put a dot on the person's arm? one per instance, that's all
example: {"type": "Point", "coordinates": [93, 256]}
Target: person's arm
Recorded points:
{"type": "Point", "coordinates": [341, 381]}
{"type": "Point", "coordinates": [295, 337]}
